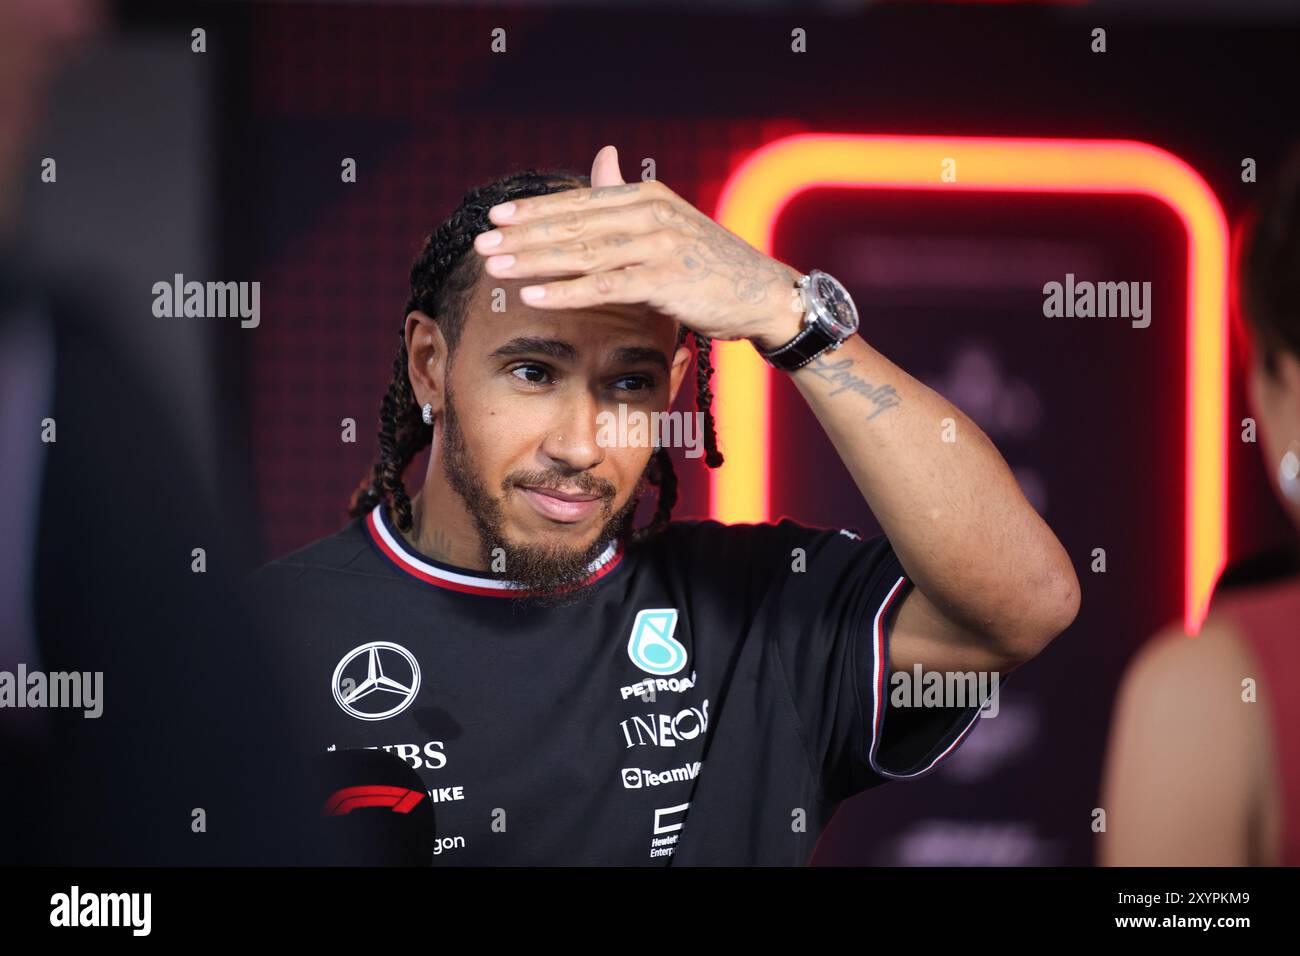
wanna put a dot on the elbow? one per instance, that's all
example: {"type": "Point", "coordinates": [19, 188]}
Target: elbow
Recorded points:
{"type": "Point", "coordinates": [1066, 605]}
{"type": "Point", "coordinates": [1061, 597]}
{"type": "Point", "coordinates": [1051, 609]}
{"type": "Point", "coordinates": [1058, 606]}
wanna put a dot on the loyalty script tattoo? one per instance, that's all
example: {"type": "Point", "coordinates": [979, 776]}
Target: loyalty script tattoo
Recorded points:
{"type": "Point", "coordinates": [836, 372]}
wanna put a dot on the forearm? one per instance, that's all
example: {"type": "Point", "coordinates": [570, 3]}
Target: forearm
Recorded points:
{"type": "Point", "coordinates": [943, 495]}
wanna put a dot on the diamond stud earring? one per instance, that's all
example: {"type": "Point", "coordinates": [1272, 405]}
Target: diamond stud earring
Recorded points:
{"type": "Point", "coordinates": [1288, 472]}
{"type": "Point", "coordinates": [427, 413]}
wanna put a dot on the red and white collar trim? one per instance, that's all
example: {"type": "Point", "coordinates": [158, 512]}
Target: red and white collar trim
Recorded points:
{"type": "Point", "coordinates": [399, 552]}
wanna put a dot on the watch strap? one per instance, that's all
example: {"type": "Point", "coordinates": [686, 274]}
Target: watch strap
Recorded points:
{"type": "Point", "coordinates": [811, 342]}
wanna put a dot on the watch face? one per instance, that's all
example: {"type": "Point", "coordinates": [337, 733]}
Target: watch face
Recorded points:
{"type": "Point", "coordinates": [836, 311]}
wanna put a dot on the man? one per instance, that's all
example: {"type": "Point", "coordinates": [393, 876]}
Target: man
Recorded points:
{"type": "Point", "coordinates": [575, 691]}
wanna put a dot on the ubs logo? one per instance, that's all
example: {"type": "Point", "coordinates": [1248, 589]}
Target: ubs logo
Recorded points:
{"type": "Point", "coordinates": [376, 681]}
{"type": "Point", "coordinates": [652, 646]}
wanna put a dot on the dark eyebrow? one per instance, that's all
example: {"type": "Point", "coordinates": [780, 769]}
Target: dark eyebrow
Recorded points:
{"type": "Point", "coordinates": [535, 345]}
{"type": "Point", "coordinates": [632, 354]}
{"type": "Point", "coordinates": [560, 349]}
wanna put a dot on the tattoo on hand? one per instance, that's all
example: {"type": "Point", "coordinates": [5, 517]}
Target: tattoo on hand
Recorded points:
{"type": "Point", "coordinates": [713, 250]}
{"type": "Point", "coordinates": [614, 190]}
{"type": "Point", "coordinates": [838, 374]}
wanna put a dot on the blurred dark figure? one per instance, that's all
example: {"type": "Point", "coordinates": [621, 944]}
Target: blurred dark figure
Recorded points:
{"type": "Point", "coordinates": [97, 536]}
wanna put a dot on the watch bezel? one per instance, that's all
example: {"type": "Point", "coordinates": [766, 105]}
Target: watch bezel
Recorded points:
{"type": "Point", "coordinates": [816, 295]}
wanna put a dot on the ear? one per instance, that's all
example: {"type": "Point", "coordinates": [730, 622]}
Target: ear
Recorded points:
{"type": "Point", "coordinates": [426, 360]}
{"type": "Point", "coordinates": [681, 361]}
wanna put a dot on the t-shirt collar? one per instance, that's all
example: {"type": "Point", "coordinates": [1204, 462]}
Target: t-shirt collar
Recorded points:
{"type": "Point", "coordinates": [398, 551]}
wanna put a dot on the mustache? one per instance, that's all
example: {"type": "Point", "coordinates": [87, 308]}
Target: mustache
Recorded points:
{"type": "Point", "coordinates": [558, 480]}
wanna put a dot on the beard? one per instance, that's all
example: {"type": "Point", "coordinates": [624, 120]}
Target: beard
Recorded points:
{"type": "Point", "coordinates": [550, 575]}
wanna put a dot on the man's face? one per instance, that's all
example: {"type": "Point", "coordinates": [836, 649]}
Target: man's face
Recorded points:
{"type": "Point", "coordinates": [519, 429]}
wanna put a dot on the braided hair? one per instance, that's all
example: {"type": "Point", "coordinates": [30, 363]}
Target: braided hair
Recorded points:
{"type": "Point", "coordinates": [442, 279]}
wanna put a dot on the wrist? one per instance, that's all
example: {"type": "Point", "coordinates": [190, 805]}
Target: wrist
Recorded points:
{"type": "Point", "coordinates": [787, 315]}
{"type": "Point", "coordinates": [829, 319]}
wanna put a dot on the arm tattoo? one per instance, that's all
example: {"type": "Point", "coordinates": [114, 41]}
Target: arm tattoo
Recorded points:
{"type": "Point", "coordinates": [837, 373]}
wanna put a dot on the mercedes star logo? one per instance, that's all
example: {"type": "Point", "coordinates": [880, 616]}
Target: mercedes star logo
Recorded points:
{"type": "Point", "coordinates": [380, 694]}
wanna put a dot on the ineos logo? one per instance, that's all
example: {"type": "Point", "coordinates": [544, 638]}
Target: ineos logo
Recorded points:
{"type": "Point", "coordinates": [666, 730]}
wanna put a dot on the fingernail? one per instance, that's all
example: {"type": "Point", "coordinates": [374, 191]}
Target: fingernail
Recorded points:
{"type": "Point", "coordinates": [505, 209]}
{"type": "Point", "coordinates": [488, 240]}
{"type": "Point", "coordinates": [532, 293]}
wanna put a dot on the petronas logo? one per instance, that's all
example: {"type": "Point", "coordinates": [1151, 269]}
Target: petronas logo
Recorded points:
{"type": "Point", "coordinates": [652, 646]}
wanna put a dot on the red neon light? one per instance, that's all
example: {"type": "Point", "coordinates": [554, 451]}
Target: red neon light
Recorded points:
{"type": "Point", "coordinates": [771, 177]}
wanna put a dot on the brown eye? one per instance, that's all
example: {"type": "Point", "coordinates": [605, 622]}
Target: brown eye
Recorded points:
{"type": "Point", "coordinates": [639, 383]}
{"type": "Point", "coordinates": [532, 374]}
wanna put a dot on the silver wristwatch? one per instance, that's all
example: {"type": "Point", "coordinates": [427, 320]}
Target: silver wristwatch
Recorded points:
{"type": "Point", "coordinates": [830, 317]}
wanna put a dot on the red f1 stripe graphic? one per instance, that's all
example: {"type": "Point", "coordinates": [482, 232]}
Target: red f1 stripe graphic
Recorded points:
{"type": "Point", "coordinates": [397, 799]}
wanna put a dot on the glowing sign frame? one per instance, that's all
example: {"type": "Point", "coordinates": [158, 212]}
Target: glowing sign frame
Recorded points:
{"type": "Point", "coordinates": [758, 191]}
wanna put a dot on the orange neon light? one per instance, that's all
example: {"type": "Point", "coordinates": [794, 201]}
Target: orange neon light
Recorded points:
{"type": "Point", "coordinates": [771, 177]}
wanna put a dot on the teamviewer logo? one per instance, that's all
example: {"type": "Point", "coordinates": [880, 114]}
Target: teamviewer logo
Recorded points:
{"type": "Point", "coordinates": [632, 778]}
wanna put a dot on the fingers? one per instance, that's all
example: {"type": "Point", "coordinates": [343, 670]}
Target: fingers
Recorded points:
{"type": "Point", "coordinates": [533, 208]}
{"type": "Point", "coordinates": [587, 223]}
{"type": "Point", "coordinates": [628, 285]}
{"type": "Point", "coordinates": [599, 254]}
{"type": "Point", "coordinates": [604, 171]}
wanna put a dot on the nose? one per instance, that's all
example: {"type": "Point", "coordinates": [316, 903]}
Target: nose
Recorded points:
{"type": "Point", "coordinates": [571, 442]}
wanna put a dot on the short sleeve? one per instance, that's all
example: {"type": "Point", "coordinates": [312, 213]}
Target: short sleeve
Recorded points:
{"type": "Point", "coordinates": [829, 614]}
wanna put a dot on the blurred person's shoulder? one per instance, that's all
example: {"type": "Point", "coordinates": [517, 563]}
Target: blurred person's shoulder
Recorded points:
{"type": "Point", "coordinates": [1178, 675]}
{"type": "Point", "coordinates": [1183, 694]}
{"type": "Point", "coordinates": [1175, 662]}
{"type": "Point", "coordinates": [1183, 715]}
{"type": "Point", "coordinates": [1264, 610]}
{"type": "Point", "coordinates": [1267, 610]}
{"type": "Point", "coordinates": [1262, 624]}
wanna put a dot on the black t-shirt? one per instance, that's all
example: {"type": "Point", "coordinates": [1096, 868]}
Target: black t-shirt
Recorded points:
{"type": "Point", "coordinates": [721, 689]}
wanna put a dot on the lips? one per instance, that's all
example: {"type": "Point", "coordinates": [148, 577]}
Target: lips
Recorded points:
{"type": "Point", "coordinates": [562, 495]}
{"type": "Point", "coordinates": [563, 506]}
